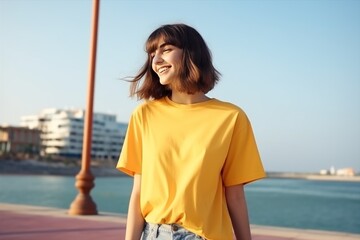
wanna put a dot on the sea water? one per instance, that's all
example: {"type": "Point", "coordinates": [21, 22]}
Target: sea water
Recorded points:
{"type": "Point", "coordinates": [295, 203]}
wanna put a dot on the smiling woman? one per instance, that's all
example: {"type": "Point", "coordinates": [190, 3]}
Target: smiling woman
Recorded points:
{"type": "Point", "coordinates": [166, 62]}
{"type": "Point", "coordinates": [188, 53]}
{"type": "Point", "coordinates": [182, 143]}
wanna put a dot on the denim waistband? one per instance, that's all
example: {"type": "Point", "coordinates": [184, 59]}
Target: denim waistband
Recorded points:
{"type": "Point", "coordinates": [165, 227]}
{"type": "Point", "coordinates": [169, 228]}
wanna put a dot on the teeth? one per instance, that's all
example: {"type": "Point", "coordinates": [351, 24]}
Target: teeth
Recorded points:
{"type": "Point", "coordinates": [163, 69]}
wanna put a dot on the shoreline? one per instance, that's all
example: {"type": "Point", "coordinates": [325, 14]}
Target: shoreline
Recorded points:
{"type": "Point", "coordinates": [36, 167]}
{"type": "Point", "coordinates": [107, 169]}
{"type": "Point", "coordinates": [312, 176]}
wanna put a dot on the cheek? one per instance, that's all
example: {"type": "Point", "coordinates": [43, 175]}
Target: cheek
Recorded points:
{"type": "Point", "coordinates": [153, 66]}
{"type": "Point", "coordinates": [178, 59]}
{"type": "Point", "coordinates": [178, 62]}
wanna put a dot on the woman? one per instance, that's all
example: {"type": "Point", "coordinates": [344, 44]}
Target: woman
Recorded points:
{"type": "Point", "coordinates": [190, 155]}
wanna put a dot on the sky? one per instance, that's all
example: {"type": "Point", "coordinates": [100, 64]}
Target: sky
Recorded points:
{"type": "Point", "coordinates": [292, 66]}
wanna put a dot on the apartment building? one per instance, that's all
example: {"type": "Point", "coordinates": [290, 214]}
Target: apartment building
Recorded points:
{"type": "Point", "coordinates": [62, 133]}
{"type": "Point", "coordinates": [19, 140]}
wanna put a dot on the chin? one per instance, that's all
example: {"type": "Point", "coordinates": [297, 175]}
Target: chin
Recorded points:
{"type": "Point", "coordinates": [164, 82]}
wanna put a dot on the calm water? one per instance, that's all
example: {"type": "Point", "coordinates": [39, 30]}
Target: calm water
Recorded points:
{"type": "Point", "coordinates": [323, 205]}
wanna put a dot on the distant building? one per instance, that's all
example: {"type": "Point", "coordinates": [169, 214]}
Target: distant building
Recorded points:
{"type": "Point", "coordinates": [19, 140]}
{"type": "Point", "coordinates": [332, 170]}
{"type": "Point", "coordinates": [345, 172]}
{"type": "Point", "coordinates": [338, 172]}
{"type": "Point", "coordinates": [324, 172]}
{"type": "Point", "coordinates": [62, 133]}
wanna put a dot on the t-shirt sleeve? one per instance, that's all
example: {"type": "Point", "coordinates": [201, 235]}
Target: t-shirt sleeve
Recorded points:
{"type": "Point", "coordinates": [131, 152]}
{"type": "Point", "coordinates": [243, 163]}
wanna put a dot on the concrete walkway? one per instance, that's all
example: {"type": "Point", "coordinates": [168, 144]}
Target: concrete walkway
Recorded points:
{"type": "Point", "coordinates": [18, 222]}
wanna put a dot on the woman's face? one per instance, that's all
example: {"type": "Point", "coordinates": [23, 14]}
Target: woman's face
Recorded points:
{"type": "Point", "coordinates": [166, 62]}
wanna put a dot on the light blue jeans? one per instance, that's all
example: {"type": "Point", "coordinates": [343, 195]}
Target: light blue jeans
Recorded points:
{"type": "Point", "coordinates": [167, 232]}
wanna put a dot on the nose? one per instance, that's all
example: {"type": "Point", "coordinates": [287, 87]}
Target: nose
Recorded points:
{"type": "Point", "coordinates": [157, 58]}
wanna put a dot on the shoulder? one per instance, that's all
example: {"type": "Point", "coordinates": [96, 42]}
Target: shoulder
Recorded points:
{"type": "Point", "coordinates": [230, 107]}
{"type": "Point", "coordinates": [146, 106]}
{"type": "Point", "coordinates": [236, 113]}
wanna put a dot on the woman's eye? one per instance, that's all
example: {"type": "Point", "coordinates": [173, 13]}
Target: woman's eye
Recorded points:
{"type": "Point", "coordinates": [167, 50]}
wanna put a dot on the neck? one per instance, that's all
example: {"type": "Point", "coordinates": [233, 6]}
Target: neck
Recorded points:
{"type": "Point", "coordinates": [184, 98]}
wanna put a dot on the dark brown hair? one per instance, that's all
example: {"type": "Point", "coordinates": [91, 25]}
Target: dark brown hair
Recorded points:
{"type": "Point", "coordinates": [197, 73]}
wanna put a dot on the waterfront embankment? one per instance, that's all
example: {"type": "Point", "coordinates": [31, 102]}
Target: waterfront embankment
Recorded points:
{"type": "Point", "coordinates": [107, 168]}
{"type": "Point", "coordinates": [313, 176]}
{"type": "Point", "coordinates": [41, 167]}
{"type": "Point", "coordinates": [43, 223]}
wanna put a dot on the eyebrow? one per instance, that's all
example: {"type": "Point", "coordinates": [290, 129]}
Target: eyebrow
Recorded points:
{"type": "Point", "coordinates": [163, 45]}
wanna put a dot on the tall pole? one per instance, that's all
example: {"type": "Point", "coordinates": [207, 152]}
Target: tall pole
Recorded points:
{"type": "Point", "coordinates": [83, 203]}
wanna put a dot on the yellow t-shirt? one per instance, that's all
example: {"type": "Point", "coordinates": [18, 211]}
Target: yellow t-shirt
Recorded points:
{"type": "Point", "coordinates": [186, 154]}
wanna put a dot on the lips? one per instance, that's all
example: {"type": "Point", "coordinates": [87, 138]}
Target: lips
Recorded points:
{"type": "Point", "coordinates": [162, 69]}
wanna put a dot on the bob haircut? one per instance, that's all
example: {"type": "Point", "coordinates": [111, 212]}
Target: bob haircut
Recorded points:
{"type": "Point", "coordinates": [197, 73]}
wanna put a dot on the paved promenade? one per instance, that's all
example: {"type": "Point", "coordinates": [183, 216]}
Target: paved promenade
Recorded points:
{"type": "Point", "coordinates": [20, 222]}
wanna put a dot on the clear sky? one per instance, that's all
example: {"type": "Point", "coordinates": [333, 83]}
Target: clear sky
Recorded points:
{"type": "Point", "coordinates": [293, 66]}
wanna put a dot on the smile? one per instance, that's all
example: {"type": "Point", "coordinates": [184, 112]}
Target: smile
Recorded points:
{"type": "Point", "coordinates": [162, 69]}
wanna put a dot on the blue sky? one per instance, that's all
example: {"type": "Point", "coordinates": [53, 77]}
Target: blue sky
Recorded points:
{"type": "Point", "coordinates": [293, 66]}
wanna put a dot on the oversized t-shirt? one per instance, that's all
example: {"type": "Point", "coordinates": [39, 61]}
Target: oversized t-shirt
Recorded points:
{"type": "Point", "coordinates": [186, 155]}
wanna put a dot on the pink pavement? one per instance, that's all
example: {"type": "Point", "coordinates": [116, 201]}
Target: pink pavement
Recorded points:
{"type": "Point", "coordinates": [20, 222]}
{"type": "Point", "coordinates": [17, 226]}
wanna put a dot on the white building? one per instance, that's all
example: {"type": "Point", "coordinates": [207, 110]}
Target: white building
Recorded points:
{"type": "Point", "coordinates": [62, 133]}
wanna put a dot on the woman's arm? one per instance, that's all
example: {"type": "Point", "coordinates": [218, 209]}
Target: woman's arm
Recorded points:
{"type": "Point", "coordinates": [236, 202]}
{"type": "Point", "coordinates": [135, 220]}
